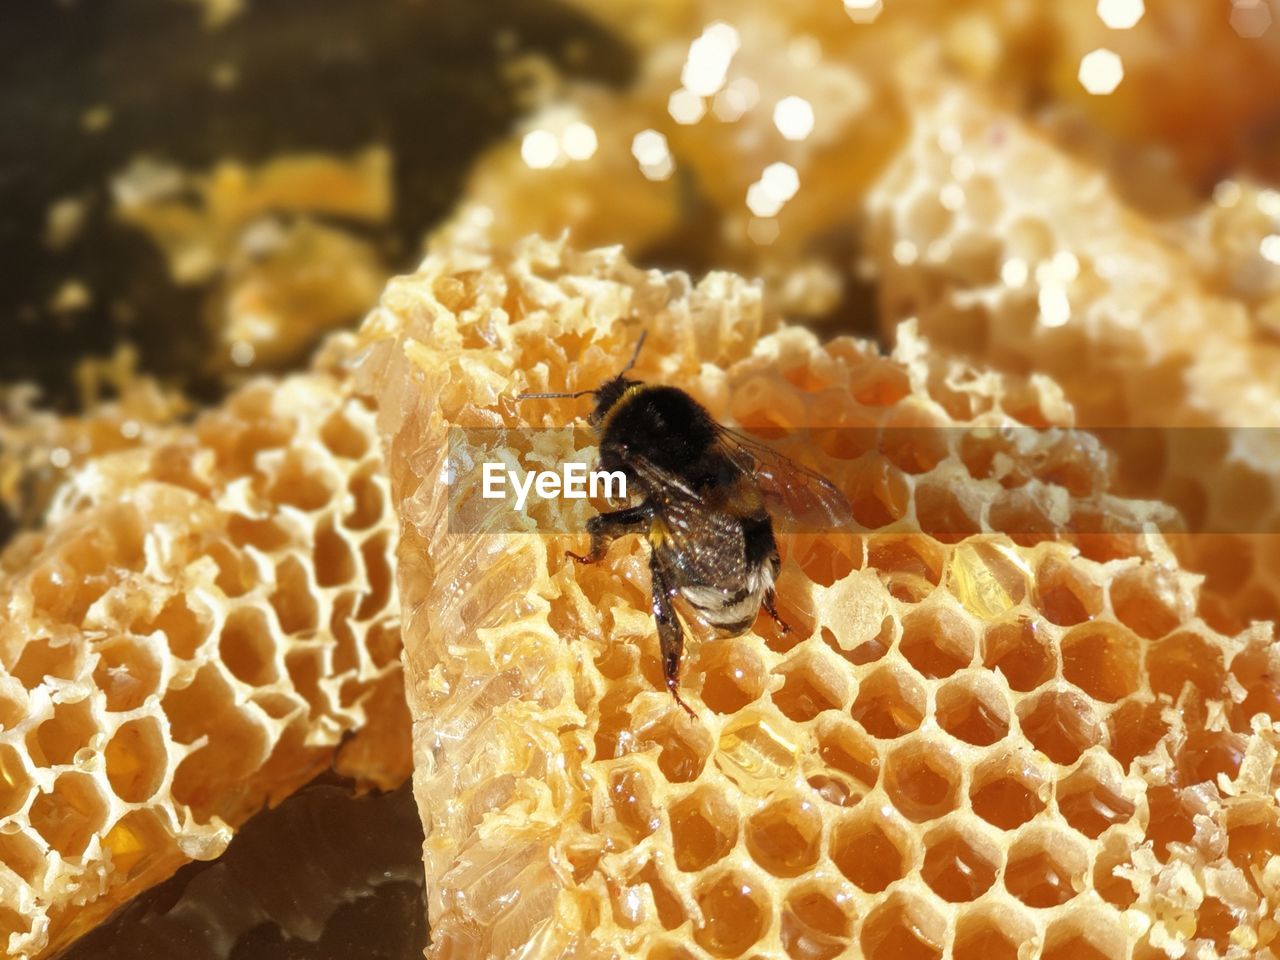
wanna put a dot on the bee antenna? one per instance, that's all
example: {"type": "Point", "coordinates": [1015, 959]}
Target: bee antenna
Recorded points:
{"type": "Point", "coordinates": [636, 355]}
{"type": "Point", "coordinates": [553, 396]}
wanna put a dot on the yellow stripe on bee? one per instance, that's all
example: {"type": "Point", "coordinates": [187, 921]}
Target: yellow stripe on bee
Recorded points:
{"type": "Point", "coordinates": [656, 535]}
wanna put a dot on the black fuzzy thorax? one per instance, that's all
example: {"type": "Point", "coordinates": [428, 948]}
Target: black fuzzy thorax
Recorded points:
{"type": "Point", "coordinates": [667, 427]}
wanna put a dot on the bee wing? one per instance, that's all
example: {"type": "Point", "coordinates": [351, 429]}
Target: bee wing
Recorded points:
{"type": "Point", "coordinates": [803, 496]}
{"type": "Point", "coordinates": [706, 545]}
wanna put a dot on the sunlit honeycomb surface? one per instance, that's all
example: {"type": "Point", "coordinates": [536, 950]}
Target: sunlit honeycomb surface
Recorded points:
{"type": "Point", "coordinates": [1006, 248]}
{"type": "Point", "coordinates": [188, 639]}
{"type": "Point", "coordinates": [971, 745]}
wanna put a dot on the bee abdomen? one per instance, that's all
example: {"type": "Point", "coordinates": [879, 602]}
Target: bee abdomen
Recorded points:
{"type": "Point", "coordinates": [728, 613]}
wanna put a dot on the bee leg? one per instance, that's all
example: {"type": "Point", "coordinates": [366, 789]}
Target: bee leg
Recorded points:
{"type": "Point", "coordinates": [670, 635]}
{"type": "Point", "coordinates": [767, 601]}
{"type": "Point", "coordinates": [607, 527]}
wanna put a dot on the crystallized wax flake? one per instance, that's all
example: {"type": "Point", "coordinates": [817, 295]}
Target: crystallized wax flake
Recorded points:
{"type": "Point", "coordinates": [964, 743]}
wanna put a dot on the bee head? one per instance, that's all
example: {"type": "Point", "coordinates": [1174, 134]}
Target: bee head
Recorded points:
{"type": "Point", "coordinates": [609, 393]}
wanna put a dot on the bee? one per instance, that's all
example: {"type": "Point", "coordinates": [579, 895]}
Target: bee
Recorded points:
{"type": "Point", "coordinates": [708, 498]}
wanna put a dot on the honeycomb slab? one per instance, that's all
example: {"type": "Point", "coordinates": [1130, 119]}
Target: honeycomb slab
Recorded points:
{"type": "Point", "coordinates": [975, 745]}
{"type": "Point", "coordinates": [189, 637]}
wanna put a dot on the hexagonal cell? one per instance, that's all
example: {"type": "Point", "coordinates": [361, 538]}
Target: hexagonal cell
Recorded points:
{"type": "Point", "coordinates": [21, 854]}
{"type": "Point", "coordinates": [70, 814]}
{"type": "Point", "coordinates": [846, 749]}
{"type": "Point", "coordinates": [1007, 792]}
{"type": "Point", "coordinates": [1046, 869]}
{"type": "Point", "coordinates": [13, 703]}
{"type": "Point", "coordinates": [794, 602]}
{"type": "Point", "coordinates": [41, 658]}
{"type": "Point", "coordinates": [1252, 843]}
{"type": "Point", "coordinates": [1185, 658]}
{"type": "Point", "coordinates": [913, 440]}
{"type": "Point", "coordinates": [237, 574]}
{"type": "Point", "coordinates": [184, 629]}
{"type": "Point", "coordinates": [379, 575]}
{"type": "Point", "coordinates": [909, 564]}
{"type": "Point", "coordinates": [890, 703]}
{"type": "Point", "coordinates": [922, 780]}
{"type": "Point", "coordinates": [959, 866]}
{"type": "Point", "coordinates": [668, 906]}
{"type": "Point", "coordinates": [989, 578]}
{"type": "Point", "coordinates": [871, 850]}
{"type": "Point", "coordinates": [704, 828]}
{"type": "Point", "coordinates": [943, 513]}
{"type": "Point", "coordinates": [878, 492]}
{"type": "Point", "coordinates": [973, 709]}
{"type": "Point", "coordinates": [1091, 803]}
{"type": "Point", "coordinates": [816, 925]}
{"type": "Point", "coordinates": [11, 922]}
{"type": "Point", "coordinates": [756, 752]}
{"type": "Point", "coordinates": [732, 675]}
{"type": "Point", "coordinates": [15, 781]}
{"type": "Point", "coordinates": [127, 673]}
{"type": "Point", "coordinates": [367, 497]}
{"type": "Point", "coordinates": [294, 598]}
{"type": "Point", "coordinates": [1061, 725]}
{"type": "Point", "coordinates": [1134, 728]}
{"type": "Point", "coordinates": [1103, 660]}
{"type": "Point", "coordinates": [810, 687]}
{"type": "Point", "coordinates": [1089, 935]}
{"type": "Point", "coordinates": [1019, 650]}
{"type": "Point", "coordinates": [1064, 594]}
{"type": "Point", "coordinates": [825, 558]}
{"type": "Point", "coordinates": [137, 840]}
{"type": "Point", "coordinates": [989, 934]}
{"type": "Point", "coordinates": [783, 837]}
{"type": "Point", "coordinates": [1208, 753]}
{"type": "Point", "coordinates": [248, 648]}
{"type": "Point", "coordinates": [630, 798]}
{"type": "Point", "coordinates": [869, 651]}
{"type": "Point", "coordinates": [136, 760]}
{"type": "Point", "coordinates": [1112, 887]}
{"type": "Point", "coordinates": [335, 562]}
{"type": "Point", "coordinates": [343, 438]}
{"type": "Point", "coordinates": [297, 486]}
{"type": "Point", "coordinates": [1171, 817]}
{"type": "Point", "coordinates": [683, 747]}
{"type": "Point", "coordinates": [937, 641]}
{"type": "Point", "coordinates": [735, 914]}
{"type": "Point", "coordinates": [903, 928]}
{"type": "Point", "coordinates": [1252, 670]}
{"type": "Point", "coordinates": [63, 735]}
{"type": "Point", "coordinates": [1147, 600]}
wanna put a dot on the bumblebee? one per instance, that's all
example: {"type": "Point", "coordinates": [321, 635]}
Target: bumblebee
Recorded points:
{"type": "Point", "coordinates": [708, 498]}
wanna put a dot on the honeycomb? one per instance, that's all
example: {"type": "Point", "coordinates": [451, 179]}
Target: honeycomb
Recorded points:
{"type": "Point", "coordinates": [968, 744]}
{"type": "Point", "coordinates": [1007, 248]}
{"type": "Point", "coordinates": [193, 633]}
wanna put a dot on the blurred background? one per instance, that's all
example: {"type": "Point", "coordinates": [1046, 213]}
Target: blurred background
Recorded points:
{"type": "Point", "coordinates": [193, 192]}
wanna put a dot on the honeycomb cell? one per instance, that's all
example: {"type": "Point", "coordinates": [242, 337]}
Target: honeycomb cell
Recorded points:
{"type": "Point", "coordinates": [683, 748]}
{"type": "Point", "coordinates": [671, 912]}
{"type": "Point", "coordinates": [184, 630]}
{"type": "Point", "coordinates": [1020, 650]}
{"type": "Point", "coordinates": [870, 850]}
{"type": "Point", "coordinates": [1060, 725]}
{"type": "Point", "coordinates": [937, 641]}
{"type": "Point", "coordinates": [732, 675]}
{"type": "Point", "coordinates": [1045, 870]}
{"type": "Point", "coordinates": [910, 565]}
{"type": "Point", "coordinates": [943, 513]}
{"type": "Point", "coordinates": [735, 912]}
{"type": "Point", "coordinates": [1208, 754]}
{"type": "Point", "coordinates": [24, 856]}
{"type": "Point", "coordinates": [987, 934]}
{"type": "Point", "coordinates": [367, 499]}
{"type": "Point", "coordinates": [62, 736]}
{"type": "Point", "coordinates": [912, 442]}
{"type": "Point", "coordinates": [136, 760]}
{"type": "Point", "coordinates": [825, 559]}
{"type": "Point", "coordinates": [248, 647]}
{"type": "Point", "coordinates": [1064, 593]}
{"type": "Point", "coordinates": [987, 577]}
{"type": "Point", "coordinates": [889, 704]}
{"type": "Point", "coordinates": [1103, 660]}
{"type": "Point", "coordinates": [70, 814]}
{"type": "Point", "coordinates": [1182, 659]}
{"type": "Point", "coordinates": [704, 828]}
{"type": "Point", "coordinates": [630, 799]}
{"type": "Point", "coordinates": [878, 492]}
{"type": "Point", "coordinates": [903, 928]}
{"type": "Point", "coordinates": [294, 598]}
{"type": "Point", "coordinates": [756, 752]}
{"type": "Point", "coordinates": [810, 687]}
{"type": "Point", "coordinates": [816, 925]}
{"type": "Point", "coordinates": [794, 602]}
{"type": "Point", "coordinates": [1091, 804]}
{"type": "Point", "coordinates": [922, 780]}
{"type": "Point", "coordinates": [783, 837]}
{"type": "Point", "coordinates": [344, 438]}
{"type": "Point", "coordinates": [1087, 936]}
{"type": "Point", "coordinates": [1147, 599]}
{"type": "Point", "coordinates": [869, 651]}
{"type": "Point", "coordinates": [1215, 921]}
{"type": "Point", "coordinates": [1007, 792]}
{"type": "Point", "coordinates": [959, 866]}
{"type": "Point", "coordinates": [15, 781]}
{"type": "Point", "coordinates": [1171, 818]}
{"type": "Point", "coordinates": [378, 575]}
{"type": "Point", "coordinates": [127, 673]}
{"type": "Point", "coordinates": [1252, 843]}
{"type": "Point", "coordinates": [972, 709]}
{"type": "Point", "coordinates": [1134, 729]}
{"type": "Point", "coordinates": [842, 747]}
{"type": "Point", "coordinates": [137, 840]}
{"type": "Point", "coordinates": [42, 657]}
